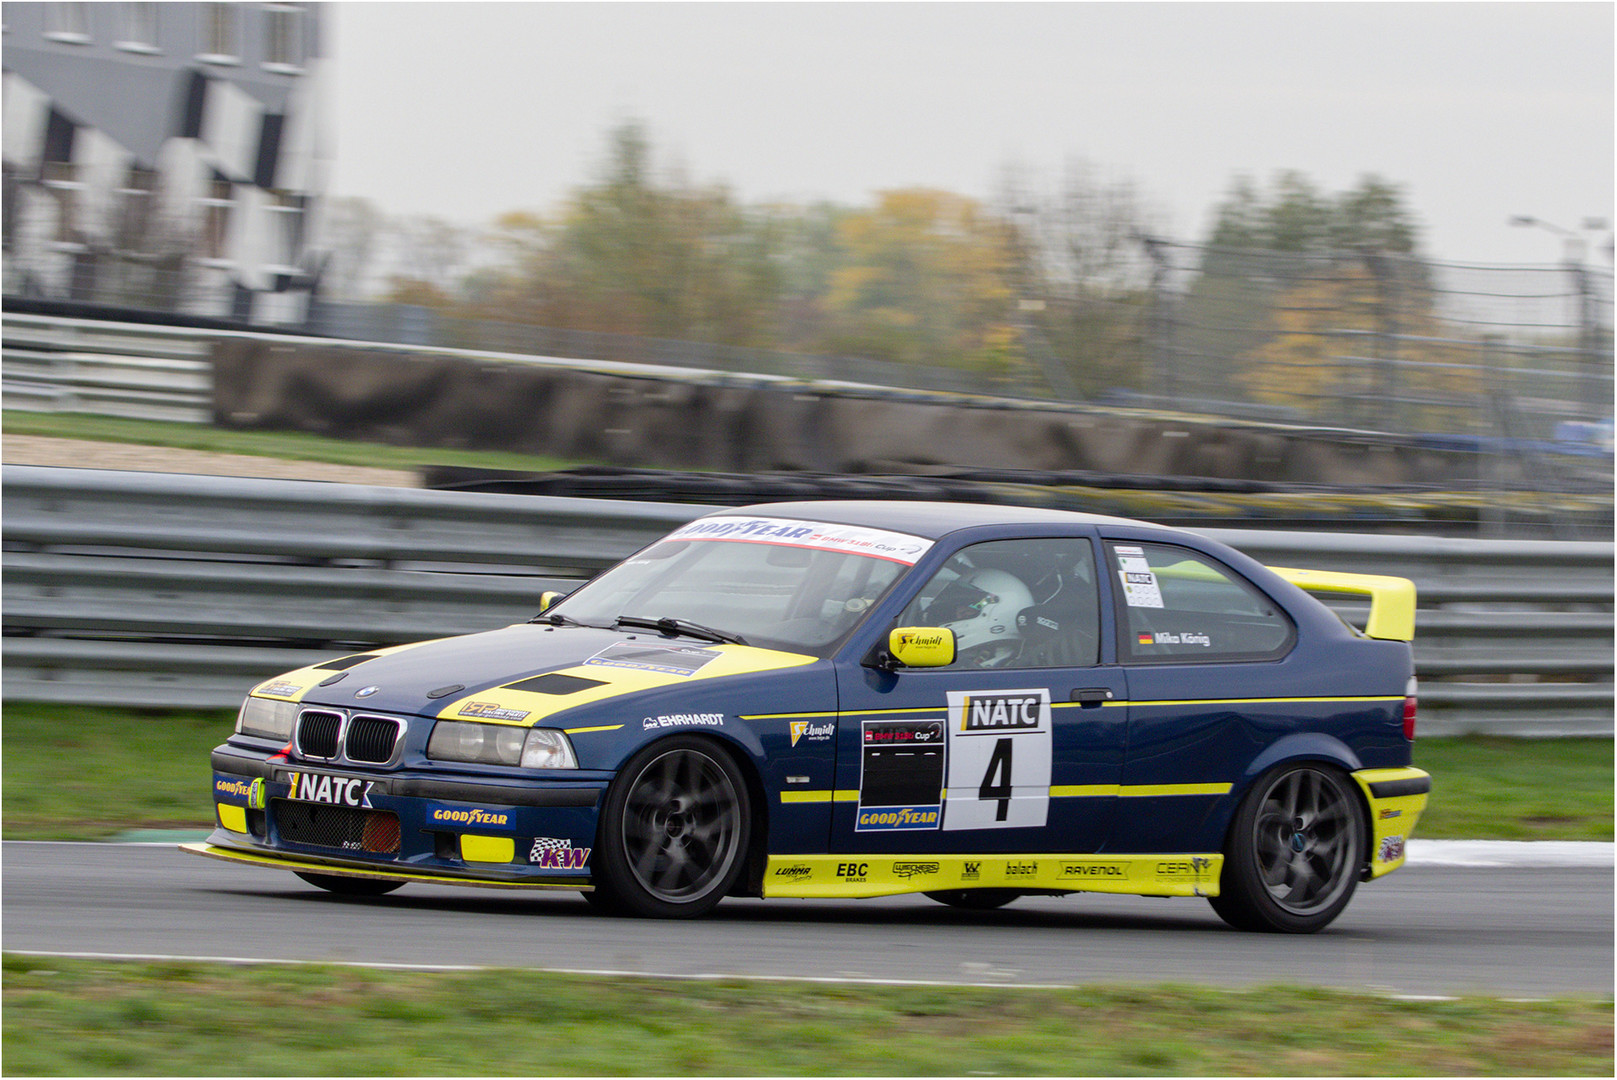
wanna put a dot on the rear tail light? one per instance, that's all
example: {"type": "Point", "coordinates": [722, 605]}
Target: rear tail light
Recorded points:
{"type": "Point", "coordinates": [1409, 710]}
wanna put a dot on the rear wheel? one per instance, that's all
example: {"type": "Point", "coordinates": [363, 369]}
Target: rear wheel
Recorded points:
{"type": "Point", "coordinates": [1294, 853]}
{"type": "Point", "coordinates": [975, 899]}
{"type": "Point", "coordinates": [351, 886]}
{"type": "Point", "coordinates": [674, 830]}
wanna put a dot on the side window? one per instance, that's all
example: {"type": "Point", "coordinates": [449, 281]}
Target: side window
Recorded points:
{"type": "Point", "coordinates": [1178, 605]}
{"type": "Point", "coordinates": [1015, 604]}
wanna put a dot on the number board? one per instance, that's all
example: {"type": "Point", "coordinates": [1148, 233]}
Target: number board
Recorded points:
{"type": "Point", "coordinates": [999, 759]}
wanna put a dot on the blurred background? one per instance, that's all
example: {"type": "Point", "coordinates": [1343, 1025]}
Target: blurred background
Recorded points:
{"type": "Point", "coordinates": [1356, 248]}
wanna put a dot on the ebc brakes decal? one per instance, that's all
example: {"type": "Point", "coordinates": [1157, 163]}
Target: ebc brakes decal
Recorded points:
{"type": "Point", "coordinates": [999, 759]}
{"type": "Point", "coordinates": [900, 775]}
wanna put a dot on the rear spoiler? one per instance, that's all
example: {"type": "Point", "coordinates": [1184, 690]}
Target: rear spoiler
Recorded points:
{"type": "Point", "coordinates": [1392, 599]}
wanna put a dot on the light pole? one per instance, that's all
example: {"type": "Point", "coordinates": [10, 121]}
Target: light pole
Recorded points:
{"type": "Point", "coordinates": [1588, 332]}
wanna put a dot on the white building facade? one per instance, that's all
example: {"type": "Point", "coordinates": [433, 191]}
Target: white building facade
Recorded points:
{"type": "Point", "coordinates": [164, 156]}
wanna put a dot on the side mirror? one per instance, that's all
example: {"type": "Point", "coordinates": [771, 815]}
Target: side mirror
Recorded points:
{"type": "Point", "coordinates": [548, 600]}
{"type": "Point", "coordinates": [921, 646]}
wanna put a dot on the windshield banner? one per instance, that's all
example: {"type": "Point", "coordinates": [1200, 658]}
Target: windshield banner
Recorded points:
{"type": "Point", "coordinates": [847, 539]}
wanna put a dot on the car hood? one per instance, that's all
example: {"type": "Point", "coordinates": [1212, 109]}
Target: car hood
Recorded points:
{"type": "Point", "coordinates": [519, 675]}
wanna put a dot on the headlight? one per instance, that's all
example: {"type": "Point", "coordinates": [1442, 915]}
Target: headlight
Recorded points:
{"type": "Point", "coordinates": [500, 744]}
{"type": "Point", "coordinates": [267, 719]}
{"type": "Point", "coordinates": [546, 748]}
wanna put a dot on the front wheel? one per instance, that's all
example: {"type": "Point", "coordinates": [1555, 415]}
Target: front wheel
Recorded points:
{"type": "Point", "coordinates": [351, 886]}
{"type": "Point", "coordinates": [1294, 852]}
{"type": "Point", "coordinates": [674, 830]}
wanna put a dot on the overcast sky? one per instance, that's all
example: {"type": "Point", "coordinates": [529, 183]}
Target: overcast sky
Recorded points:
{"type": "Point", "coordinates": [1479, 111]}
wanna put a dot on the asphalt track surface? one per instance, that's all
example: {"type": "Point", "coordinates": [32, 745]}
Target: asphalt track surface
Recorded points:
{"type": "Point", "coordinates": [1517, 931]}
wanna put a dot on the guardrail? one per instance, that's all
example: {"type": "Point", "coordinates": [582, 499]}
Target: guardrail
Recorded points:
{"type": "Point", "coordinates": [162, 590]}
{"type": "Point", "coordinates": [113, 369]}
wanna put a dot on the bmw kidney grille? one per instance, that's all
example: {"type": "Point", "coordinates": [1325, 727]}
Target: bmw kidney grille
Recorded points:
{"type": "Point", "coordinates": [328, 735]}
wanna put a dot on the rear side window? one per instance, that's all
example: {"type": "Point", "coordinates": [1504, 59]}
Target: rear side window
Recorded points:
{"type": "Point", "coordinates": [1178, 606]}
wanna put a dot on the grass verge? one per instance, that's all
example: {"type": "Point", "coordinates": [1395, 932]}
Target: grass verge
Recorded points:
{"type": "Point", "coordinates": [291, 445]}
{"type": "Point", "coordinates": [61, 760]}
{"type": "Point", "coordinates": [67, 1017]}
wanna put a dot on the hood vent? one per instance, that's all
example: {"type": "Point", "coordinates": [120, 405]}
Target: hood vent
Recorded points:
{"type": "Point", "coordinates": [554, 683]}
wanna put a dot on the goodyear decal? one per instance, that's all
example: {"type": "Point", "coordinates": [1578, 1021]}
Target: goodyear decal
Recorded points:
{"type": "Point", "coordinates": [851, 876]}
{"type": "Point", "coordinates": [468, 815]}
{"type": "Point", "coordinates": [622, 673]}
{"type": "Point", "coordinates": [1392, 817]}
{"type": "Point", "coordinates": [817, 535]}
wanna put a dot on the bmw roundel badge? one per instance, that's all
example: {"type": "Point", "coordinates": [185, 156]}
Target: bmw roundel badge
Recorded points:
{"type": "Point", "coordinates": [366, 691]}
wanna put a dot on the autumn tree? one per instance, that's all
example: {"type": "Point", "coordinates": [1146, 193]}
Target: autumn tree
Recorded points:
{"type": "Point", "coordinates": [925, 277]}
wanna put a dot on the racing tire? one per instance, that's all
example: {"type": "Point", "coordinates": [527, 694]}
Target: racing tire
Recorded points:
{"type": "Point", "coordinates": [1295, 851]}
{"type": "Point", "coordinates": [351, 886]}
{"type": "Point", "coordinates": [674, 831]}
{"type": "Point", "coordinates": [974, 899]}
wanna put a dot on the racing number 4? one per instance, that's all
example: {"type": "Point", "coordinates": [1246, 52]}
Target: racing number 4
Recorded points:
{"type": "Point", "coordinates": [996, 783]}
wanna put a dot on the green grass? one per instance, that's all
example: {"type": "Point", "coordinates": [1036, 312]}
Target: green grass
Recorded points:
{"type": "Point", "coordinates": [1517, 789]}
{"type": "Point", "coordinates": [84, 1017]}
{"type": "Point", "coordinates": [291, 445]}
{"type": "Point", "coordinates": [61, 760]}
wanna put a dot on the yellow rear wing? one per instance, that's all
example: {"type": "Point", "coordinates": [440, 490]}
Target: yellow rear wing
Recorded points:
{"type": "Point", "coordinates": [1392, 599]}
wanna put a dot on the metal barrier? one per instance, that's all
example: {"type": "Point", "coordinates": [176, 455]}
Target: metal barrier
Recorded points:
{"type": "Point", "coordinates": [151, 589]}
{"type": "Point", "coordinates": [114, 369]}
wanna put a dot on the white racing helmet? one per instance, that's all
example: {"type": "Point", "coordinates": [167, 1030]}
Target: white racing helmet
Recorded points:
{"type": "Point", "coordinates": [981, 609]}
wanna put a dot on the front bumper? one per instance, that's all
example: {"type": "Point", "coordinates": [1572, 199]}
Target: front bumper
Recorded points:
{"type": "Point", "coordinates": [410, 824]}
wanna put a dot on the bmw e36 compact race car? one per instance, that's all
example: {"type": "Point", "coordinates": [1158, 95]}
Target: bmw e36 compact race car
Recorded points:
{"type": "Point", "coordinates": [856, 699]}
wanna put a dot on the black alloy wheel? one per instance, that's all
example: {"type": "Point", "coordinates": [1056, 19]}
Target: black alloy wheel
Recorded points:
{"type": "Point", "coordinates": [674, 831]}
{"type": "Point", "coordinates": [1295, 852]}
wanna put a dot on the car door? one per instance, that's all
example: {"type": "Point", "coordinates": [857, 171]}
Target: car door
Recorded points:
{"type": "Point", "coordinates": [1211, 684]}
{"type": "Point", "coordinates": [1015, 747]}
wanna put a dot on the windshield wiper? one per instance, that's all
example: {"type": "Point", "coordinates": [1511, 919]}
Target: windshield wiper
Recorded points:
{"type": "Point", "coordinates": [559, 619]}
{"type": "Point", "coordinates": [680, 626]}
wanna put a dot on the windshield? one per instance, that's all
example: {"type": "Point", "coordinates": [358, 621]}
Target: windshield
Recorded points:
{"type": "Point", "coordinates": [777, 583]}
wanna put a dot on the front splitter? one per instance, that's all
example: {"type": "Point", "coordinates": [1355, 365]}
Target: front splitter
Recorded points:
{"type": "Point", "coordinates": [293, 863]}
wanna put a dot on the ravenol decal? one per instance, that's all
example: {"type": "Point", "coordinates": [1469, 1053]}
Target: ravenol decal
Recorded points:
{"type": "Point", "coordinates": [552, 854]}
{"type": "Point", "coordinates": [487, 710]}
{"type": "Point", "coordinates": [326, 788]}
{"type": "Point", "coordinates": [467, 815]}
{"type": "Point", "coordinates": [803, 729]}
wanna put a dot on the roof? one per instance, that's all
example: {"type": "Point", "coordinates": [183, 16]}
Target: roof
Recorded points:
{"type": "Point", "coordinates": [930, 520]}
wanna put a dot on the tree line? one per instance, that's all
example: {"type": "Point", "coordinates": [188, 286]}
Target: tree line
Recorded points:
{"type": "Point", "coordinates": [1060, 279]}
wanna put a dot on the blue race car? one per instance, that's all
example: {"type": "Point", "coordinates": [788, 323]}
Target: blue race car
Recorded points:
{"type": "Point", "coordinates": [853, 699]}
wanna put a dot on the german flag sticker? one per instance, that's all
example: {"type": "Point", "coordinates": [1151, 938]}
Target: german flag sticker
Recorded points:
{"type": "Point", "coordinates": [1147, 639]}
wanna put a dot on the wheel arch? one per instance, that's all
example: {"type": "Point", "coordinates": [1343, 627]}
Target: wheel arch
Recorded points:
{"type": "Point", "coordinates": [1302, 748]}
{"type": "Point", "coordinates": [745, 755]}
